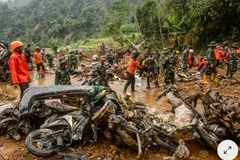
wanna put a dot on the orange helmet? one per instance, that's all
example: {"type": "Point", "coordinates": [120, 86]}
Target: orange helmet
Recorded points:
{"type": "Point", "coordinates": [16, 44]}
{"type": "Point", "coordinates": [37, 48]}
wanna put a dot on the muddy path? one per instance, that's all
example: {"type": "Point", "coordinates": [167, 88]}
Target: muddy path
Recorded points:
{"type": "Point", "coordinates": [12, 150]}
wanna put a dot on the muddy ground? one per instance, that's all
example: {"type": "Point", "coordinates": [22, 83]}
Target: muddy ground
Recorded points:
{"type": "Point", "coordinates": [12, 150]}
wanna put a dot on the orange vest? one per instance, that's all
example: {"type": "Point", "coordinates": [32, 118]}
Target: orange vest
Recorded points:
{"type": "Point", "coordinates": [227, 55]}
{"type": "Point", "coordinates": [37, 57]}
{"type": "Point", "coordinates": [218, 53]}
{"type": "Point", "coordinates": [132, 65]}
{"type": "Point", "coordinates": [19, 69]}
{"type": "Point", "coordinates": [238, 52]}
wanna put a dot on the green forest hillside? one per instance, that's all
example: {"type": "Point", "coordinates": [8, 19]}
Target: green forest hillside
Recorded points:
{"type": "Point", "coordinates": [156, 22]}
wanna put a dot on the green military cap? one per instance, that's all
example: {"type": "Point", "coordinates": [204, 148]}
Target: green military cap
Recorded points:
{"type": "Point", "coordinates": [165, 50]}
{"type": "Point", "coordinates": [189, 46]}
{"type": "Point", "coordinates": [62, 60]}
{"type": "Point", "coordinates": [234, 45]}
{"type": "Point", "coordinates": [136, 53]}
{"type": "Point", "coordinates": [213, 44]}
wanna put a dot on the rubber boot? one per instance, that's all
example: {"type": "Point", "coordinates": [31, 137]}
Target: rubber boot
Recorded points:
{"type": "Point", "coordinates": [125, 89]}
{"type": "Point", "coordinates": [156, 84]}
{"type": "Point", "coordinates": [214, 75]}
{"type": "Point", "coordinates": [205, 79]}
{"type": "Point", "coordinates": [148, 83]}
{"type": "Point", "coordinates": [183, 72]}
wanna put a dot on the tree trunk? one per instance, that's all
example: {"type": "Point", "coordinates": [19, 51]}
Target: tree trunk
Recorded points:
{"type": "Point", "coordinates": [160, 29]}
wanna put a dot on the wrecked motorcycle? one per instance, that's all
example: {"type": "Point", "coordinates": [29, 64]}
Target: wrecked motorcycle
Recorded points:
{"type": "Point", "coordinates": [139, 131]}
{"type": "Point", "coordinates": [196, 126]}
{"type": "Point", "coordinates": [220, 119]}
{"type": "Point", "coordinates": [58, 132]}
{"type": "Point", "coordinates": [38, 104]}
{"type": "Point", "coordinates": [222, 115]}
{"type": "Point", "coordinates": [13, 122]}
{"type": "Point", "coordinates": [5, 74]}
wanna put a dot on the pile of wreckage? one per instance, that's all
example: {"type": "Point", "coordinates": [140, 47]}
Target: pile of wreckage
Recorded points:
{"type": "Point", "coordinates": [55, 117]}
{"type": "Point", "coordinates": [5, 74]}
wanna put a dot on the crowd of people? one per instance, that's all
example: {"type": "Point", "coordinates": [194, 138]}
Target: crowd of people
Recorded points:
{"type": "Point", "coordinates": [151, 65]}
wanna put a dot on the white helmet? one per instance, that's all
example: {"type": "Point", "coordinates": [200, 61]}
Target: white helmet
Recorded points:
{"type": "Point", "coordinates": [191, 50]}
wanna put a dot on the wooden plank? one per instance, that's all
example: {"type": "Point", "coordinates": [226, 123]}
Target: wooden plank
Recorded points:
{"type": "Point", "coordinates": [4, 156]}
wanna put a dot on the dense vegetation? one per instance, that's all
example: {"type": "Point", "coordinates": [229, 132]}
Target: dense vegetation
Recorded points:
{"type": "Point", "coordinates": [156, 22]}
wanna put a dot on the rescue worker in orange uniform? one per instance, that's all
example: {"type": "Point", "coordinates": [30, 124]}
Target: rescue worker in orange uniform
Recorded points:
{"type": "Point", "coordinates": [132, 65]}
{"type": "Point", "coordinates": [38, 59]}
{"type": "Point", "coordinates": [238, 52]}
{"type": "Point", "coordinates": [18, 67]}
{"type": "Point", "coordinates": [218, 54]}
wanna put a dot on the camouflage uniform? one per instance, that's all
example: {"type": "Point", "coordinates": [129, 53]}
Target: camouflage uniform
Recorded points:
{"type": "Point", "coordinates": [210, 63]}
{"type": "Point", "coordinates": [118, 56]}
{"type": "Point", "coordinates": [156, 56]}
{"type": "Point", "coordinates": [184, 60]}
{"type": "Point", "coordinates": [169, 62]}
{"type": "Point", "coordinates": [102, 48]}
{"type": "Point", "coordinates": [73, 60]}
{"type": "Point", "coordinates": [49, 58]}
{"type": "Point", "coordinates": [62, 74]}
{"type": "Point", "coordinates": [110, 56]}
{"type": "Point", "coordinates": [101, 72]}
{"type": "Point", "coordinates": [100, 91]}
{"type": "Point", "coordinates": [151, 69]}
{"type": "Point", "coordinates": [211, 59]}
{"type": "Point", "coordinates": [232, 63]}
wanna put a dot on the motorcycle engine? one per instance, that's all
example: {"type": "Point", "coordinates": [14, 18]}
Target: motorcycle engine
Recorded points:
{"type": "Point", "coordinates": [218, 130]}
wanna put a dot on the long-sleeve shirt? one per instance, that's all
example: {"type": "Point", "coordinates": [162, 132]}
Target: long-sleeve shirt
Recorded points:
{"type": "Point", "coordinates": [132, 65]}
{"type": "Point", "coordinates": [37, 57]}
{"type": "Point", "coordinates": [19, 69]}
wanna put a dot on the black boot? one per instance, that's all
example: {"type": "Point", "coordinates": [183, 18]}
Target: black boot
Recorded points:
{"type": "Point", "coordinates": [125, 89]}
{"type": "Point", "coordinates": [148, 82]}
{"type": "Point", "coordinates": [156, 84]}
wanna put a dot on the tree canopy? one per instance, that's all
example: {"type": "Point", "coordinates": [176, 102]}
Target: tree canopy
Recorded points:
{"type": "Point", "coordinates": [156, 22]}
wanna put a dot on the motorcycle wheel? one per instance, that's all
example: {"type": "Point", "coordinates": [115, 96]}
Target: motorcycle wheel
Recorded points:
{"type": "Point", "coordinates": [39, 145]}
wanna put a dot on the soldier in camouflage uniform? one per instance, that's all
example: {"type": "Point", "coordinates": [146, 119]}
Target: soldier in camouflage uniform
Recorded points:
{"type": "Point", "coordinates": [168, 63]}
{"type": "Point", "coordinates": [49, 58]}
{"type": "Point", "coordinates": [150, 67]}
{"type": "Point", "coordinates": [118, 55]}
{"type": "Point", "coordinates": [211, 63]}
{"type": "Point", "coordinates": [185, 58]}
{"type": "Point", "coordinates": [232, 61]}
{"type": "Point", "coordinates": [73, 60]}
{"type": "Point", "coordinates": [62, 74]}
{"type": "Point", "coordinates": [102, 48]}
{"type": "Point", "coordinates": [101, 71]}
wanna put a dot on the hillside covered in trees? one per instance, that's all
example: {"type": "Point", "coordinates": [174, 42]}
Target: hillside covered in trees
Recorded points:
{"type": "Point", "coordinates": [156, 22]}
